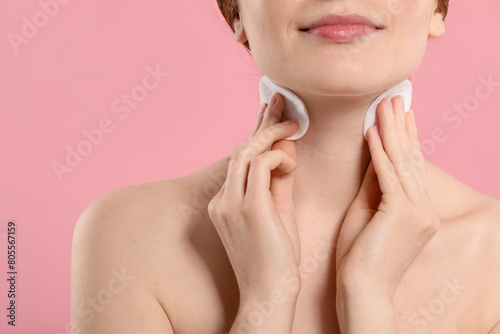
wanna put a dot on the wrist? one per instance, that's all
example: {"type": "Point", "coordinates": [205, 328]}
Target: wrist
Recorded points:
{"type": "Point", "coordinates": [363, 299]}
{"type": "Point", "coordinates": [358, 299]}
{"type": "Point", "coordinates": [365, 311]}
{"type": "Point", "coordinates": [270, 296]}
{"type": "Point", "coordinates": [364, 290]}
{"type": "Point", "coordinates": [278, 291]}
{"type": "Point", "coordinates": [272, 312]}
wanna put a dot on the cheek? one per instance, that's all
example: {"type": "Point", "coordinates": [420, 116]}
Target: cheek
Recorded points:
{"type": "Point", "coordinates": [269, 33]}
{"type": "Point", "coordinates": [408, 32]}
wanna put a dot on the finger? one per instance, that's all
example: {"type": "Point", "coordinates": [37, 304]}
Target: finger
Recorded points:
{"type": "Point", "coordinates": [397, 145]}
{"type": "Point", "coordinates": [273, 113]}
{"type": "Point", "coordinates": [369, 194]}
{"type": "Point", "coordinates": [282, 192]}
{"type": "Point", "coordinates": [409, 166]}
{"type": "Point", "coordinates": [386, 173]}
{"type": "Point", "coordinates": [386, 117]}
{"type": "Point", "coordinates": [416, 156]}
{"type": "Point", "coordinates": [242, 155]}
{"type": "Point", "coordinates": [260, 116]}
{"type": "Point", "coordinates": [259, 175]}
{"type": "Point", "coordinates": [282, 183]}
{"type": "Point", "coordinates": [398, 108]}
{"type": "Point", "coordinates": [360, 212]}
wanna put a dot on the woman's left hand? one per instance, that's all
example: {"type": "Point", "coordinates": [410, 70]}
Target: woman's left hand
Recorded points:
{"type": "Point", "coordinates": [387, 225]}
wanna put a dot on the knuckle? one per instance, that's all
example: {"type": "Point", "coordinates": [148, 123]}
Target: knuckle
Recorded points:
{"type": "Point", "coordinates": [242, 150]}
{"type": "Point", "coordinates": [237, 162]}
{"type": "Point", "coordinates": [271, 131]}
{"type": "Point", "coordinates": [430, 223]}
{"type": "Point", "coordinates": [294, 283]}
{"type": "Point", "coordinates": [247, 207]}
{"type": "Point", "coordinates": [213, 203]}
{"type": "Point", "coordinates": [257, 160]}
{"type": "Point", "coordinates": [252, 205]}
{"type": "Point", "coordinates": [237, 152]}
{"type": "Point", "coordinates": [213, 208]}
{"type": "Point", "coordinates": [265, 135]}
{"type": "Point", "coordinates": [350, 277]}
{"type": "Point", "coordinates": [435, 222]}
{"type": "Point", "coordinates": [237, 149]}
{"type": "Point", "coordinates": [226, 210]}
{"type": "Point", "coordinates": [235, 155]}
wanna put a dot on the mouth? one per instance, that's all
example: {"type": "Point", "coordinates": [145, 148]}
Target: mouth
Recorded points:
{"type": "Point", "coordinates": [342, 20]}
{"type": "Point", "coordinates": [341, 28]}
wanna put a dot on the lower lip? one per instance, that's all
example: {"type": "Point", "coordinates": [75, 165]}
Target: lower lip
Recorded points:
{"type": "Point", "coordinates": [342, 32]}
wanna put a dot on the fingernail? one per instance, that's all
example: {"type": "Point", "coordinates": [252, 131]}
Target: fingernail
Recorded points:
{"type": "Point", "coordinates": [288, 121]}
{"type": "Point", "coordinates": [273, 100]}
{"type": "Point", "coordinates": [262, 108]}
{"type": "Point", "coordinates": [402, 103]}
{"type": "Point", "coordinates": [389, 104]}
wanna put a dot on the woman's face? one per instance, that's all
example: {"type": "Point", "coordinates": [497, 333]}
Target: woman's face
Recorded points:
{"type": "Point", "coordinates": [365, 65]}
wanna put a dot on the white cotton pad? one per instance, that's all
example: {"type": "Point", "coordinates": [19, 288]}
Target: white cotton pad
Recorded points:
{"type": "Point", "coordinates": [296, 110]}
{"type": "Point", "coordinates": [404, 89]}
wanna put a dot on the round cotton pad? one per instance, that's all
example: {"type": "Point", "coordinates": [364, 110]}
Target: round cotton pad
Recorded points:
{"type": "Point", "coordinates": [294, 107]}
{"type": "Point", "coordinates": [404, 89]}
{"type": "Point", "coordinates": [296, 110]}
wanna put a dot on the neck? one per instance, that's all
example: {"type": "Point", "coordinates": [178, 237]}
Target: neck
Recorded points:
{"type": "Point", "coordinates": [332, 156]}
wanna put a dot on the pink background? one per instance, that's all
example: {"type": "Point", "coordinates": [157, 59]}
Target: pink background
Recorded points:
{"type": "Point", "coordinates": [66, 77]}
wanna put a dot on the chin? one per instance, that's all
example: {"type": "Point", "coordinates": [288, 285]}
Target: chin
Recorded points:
{"type": "Point", "coordinates": [340, 82]}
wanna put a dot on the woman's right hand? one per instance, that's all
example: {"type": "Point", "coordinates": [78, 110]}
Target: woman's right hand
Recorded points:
{"type": "Point", "coordinates": [254, 213]}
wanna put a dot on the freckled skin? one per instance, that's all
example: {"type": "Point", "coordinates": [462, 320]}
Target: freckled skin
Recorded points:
{"type": "Point", "coordinates": [183, 280]}
{"type": "Point", "coordinates": [188, 275]}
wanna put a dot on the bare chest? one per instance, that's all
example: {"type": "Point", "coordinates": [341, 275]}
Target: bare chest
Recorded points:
{"type": "Point", "coordinates": [440, 293]}
{"type": "Point", "coordinates": [427, 301]}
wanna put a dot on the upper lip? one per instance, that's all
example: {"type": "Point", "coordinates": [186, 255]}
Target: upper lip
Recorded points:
{"type": "Point", "coordinates": [333, 19]}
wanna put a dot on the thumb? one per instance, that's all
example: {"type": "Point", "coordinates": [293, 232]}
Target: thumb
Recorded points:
{"type": "Point", "coordinates": [369, 194]}
{"type": "Point", "coordinates": [359, 213]}
{"type": "Point", "coordinates": [281, 188]}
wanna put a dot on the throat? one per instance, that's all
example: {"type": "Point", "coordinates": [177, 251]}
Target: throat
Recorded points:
{"type": "Point", "coordinates": [327, 179]}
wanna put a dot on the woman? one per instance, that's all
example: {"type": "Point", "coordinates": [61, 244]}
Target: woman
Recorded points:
{"type": "Point", "coordinates": [331, 233]}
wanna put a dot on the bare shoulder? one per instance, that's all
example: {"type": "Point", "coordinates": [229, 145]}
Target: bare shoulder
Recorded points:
{"type": "Point", "coordinates": [452, 197]}
{"type": "Point", "coordinates": [111, 262]}
{"type": "Point", "coordinates": [127, 245]}
{"type": "Point", "coordinates": [487, 218]}
{"type": "Point", "coordinates": [466, 211]}
{"type": "Point", "coordinates": [470, 238]}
